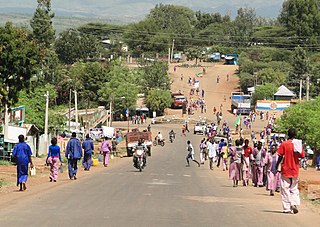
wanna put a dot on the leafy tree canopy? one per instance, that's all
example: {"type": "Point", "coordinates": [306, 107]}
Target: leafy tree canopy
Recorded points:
{"type": "Point", "coordinates": [19, 58]}
{"type": "Point", "coordinates": [158, 100]}
{"type": "Point", "coordinates": [41, 23]}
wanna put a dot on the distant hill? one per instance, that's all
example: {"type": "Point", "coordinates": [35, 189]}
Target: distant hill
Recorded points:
{"type": "Point", "coordinates": [133, 10]}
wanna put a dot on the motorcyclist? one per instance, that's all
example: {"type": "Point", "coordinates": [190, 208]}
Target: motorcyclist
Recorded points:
{"type": "Point", "coordinates": [140, 146]}
{"type": "Point", "coordinates": [159, 137]}
{"type": "Point", "coordinates": [172, 133]}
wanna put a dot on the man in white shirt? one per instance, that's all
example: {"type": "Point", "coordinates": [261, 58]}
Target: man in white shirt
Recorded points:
{"type": "Point", "coordinates": [190, 150]}
{"type": "Point", "coordinates": [212, 148]}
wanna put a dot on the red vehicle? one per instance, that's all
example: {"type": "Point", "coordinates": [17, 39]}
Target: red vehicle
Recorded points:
{"type": "Point", "coordinates": [178, 100]}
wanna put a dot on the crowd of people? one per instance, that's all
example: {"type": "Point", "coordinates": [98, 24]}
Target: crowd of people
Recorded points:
{"type": "Point", "coordinates": [75, 150]}
{"type": "Point", "coordinates": [272, 163]}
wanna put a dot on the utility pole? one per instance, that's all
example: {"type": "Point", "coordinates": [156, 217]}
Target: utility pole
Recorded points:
{"type": "Point", "coordinates": [308, 86]}
{"type": "Point", "coordinates": [300, 91]}
{"type": "Point", "coordinates": [76, 108]}
{"type": "Point", "coordinates": [172, 50]}
{"type": "Point", "coordinates": [110, 114]}
{"type": "Point", "coordinates": [46, 123]}
{"type": "Point", "coordinates": [169, 56]}
{"type": "Point", "coordinates": [6, 119]}
{"type": "Point", "coordinates": [70, 110]}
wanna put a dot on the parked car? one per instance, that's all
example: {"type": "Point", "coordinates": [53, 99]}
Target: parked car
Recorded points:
{"type": "Point", "coordinates": [200, 127]}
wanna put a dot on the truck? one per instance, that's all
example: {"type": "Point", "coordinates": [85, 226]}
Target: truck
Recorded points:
{"type": "Point", "coordinates": [133, 137]}
{"type": "Point", "coordinates": [178, 100]}
{"type": "Point", "coordinates": [240, 102]}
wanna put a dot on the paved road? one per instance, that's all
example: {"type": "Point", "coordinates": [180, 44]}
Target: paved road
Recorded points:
{"type": "Point", "coordinates": [166, 193]}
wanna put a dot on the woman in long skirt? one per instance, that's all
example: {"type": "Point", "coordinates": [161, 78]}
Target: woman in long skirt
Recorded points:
{"type": "Point", "coordinates": [236, 154]}
{"type": "Point", "coordinates": [273, 176]}
{"type": "Point", "coordinates": [105, 150]}
{"type": "Point", "coordinates": [53, 159]}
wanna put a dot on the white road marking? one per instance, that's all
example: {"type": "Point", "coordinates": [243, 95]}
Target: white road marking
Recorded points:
{"type": "Point", "coordinates": [187, 175]}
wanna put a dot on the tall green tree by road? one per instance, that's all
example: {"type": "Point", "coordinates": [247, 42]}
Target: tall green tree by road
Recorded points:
{"type": "Point", "coordinates": [41, 23]}
{"type": "Point", "coordinates": [158, 100]}
{"type": "Point", "coordinates": [72, 46]}
{"type": "Point", "coordinates": [155, 75]}
{"type": "Point", "coordinates": [35, 103]}
{"type": "Point", "coordinates": [263, 92]}
{"type": "Point", "coordinates": [19, 58]}
{"type": "Point", "coordinates": [121, 89]}
{"type": "Point", "coordinates": [301, 67]}
{"type": "Point", "coordinates": [303, 17]}
{"type": "Point", "coordinates": [304, 117]}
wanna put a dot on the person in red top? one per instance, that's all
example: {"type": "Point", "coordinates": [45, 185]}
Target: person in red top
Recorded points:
{"type": "Point", "coordinates": [289, 153]}
{"type": "Point", "coordinates": [246, 168]}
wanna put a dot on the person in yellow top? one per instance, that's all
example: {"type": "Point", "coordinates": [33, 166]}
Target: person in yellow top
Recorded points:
{"type": "Point", "coordinates": [225, 153]}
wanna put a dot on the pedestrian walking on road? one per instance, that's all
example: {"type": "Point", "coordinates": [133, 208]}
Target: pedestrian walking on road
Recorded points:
{"type": "Point", "coordinates": [246, 167]}
{"type": "Point", "coordinates": [203, 147]}
{"type": "Point", "coordinates": [236, 157]}
{"type": "Point", "coordinates": [105, 150]}
{"type": "Point", "coordinates": [22, 156]}
{"type": "Point", "coordinates": [73, 154]}
{"type": "Point", "coordinates": [88, 148]}
{"type": "Point", "coordinates": [212, 152]}
{"type": "Point", "coordinates": [190, 150]}
{"type": "Point", "coordinates": [183, 130]}
{"type": "Point", "coordinates": [187, 128]}
{"type": "Point", "coordinates": [289, 153]}
{"type": "Point", "coordinates": [273, 175]}
{"type": "Point", "coordinates": [53, 159]}
{"type": "Point", "coordinates": [259, 154]}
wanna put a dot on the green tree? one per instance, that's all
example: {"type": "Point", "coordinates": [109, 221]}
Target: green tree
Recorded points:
{"type": "Point", "coordinates": [243, 26]}
{"type": "Point", "coordinates": [263, 92]}
{"type": "Point", "coordinates": [72, 46]}
{"type": "Point", "coordinates": [41, 23]}
{"type": "Point", "coordinates": [270, 75]}
{"type": "Point", "coordinates": [300, 68]}
{"type": "Point", "coordinates": [304, 117]}
{"type": "Point", "coordinates": [158, 100]}
{"type": "Point", "coordinates": [155, 75]}
{"type": "Point", "coordinates": [19, 58]}
{"type": "Point", "coordinates": [35, 103]}
{"type": "Point", "coordinates": [302, 17]}
{"type": "Point", "coordinates": [121, 90]}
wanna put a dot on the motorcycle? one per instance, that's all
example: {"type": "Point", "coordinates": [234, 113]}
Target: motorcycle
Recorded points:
{"type": "Point", "coordinates": [158, 142]}
{"type": "Point", "coordinates": [139, 159]}
{"type": "Point", "coordinates": [171, 138]}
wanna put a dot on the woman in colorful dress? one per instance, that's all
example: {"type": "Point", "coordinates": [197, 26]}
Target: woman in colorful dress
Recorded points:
{"type": "Point", "coordinates": [53, 159]}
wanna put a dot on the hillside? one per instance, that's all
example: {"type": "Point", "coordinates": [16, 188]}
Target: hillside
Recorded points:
{"type": "Point", "coordinates": [132, 10]}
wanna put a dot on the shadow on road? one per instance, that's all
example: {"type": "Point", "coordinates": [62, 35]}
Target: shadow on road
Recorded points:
{"type": "Point", "coordinates": [272, 211]}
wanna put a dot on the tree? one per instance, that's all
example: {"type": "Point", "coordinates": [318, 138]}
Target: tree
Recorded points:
{"type": "Point", "coordinates": [155, 75]}
{"type": "Point", "coordinates": [19, 58]}
{"type": "Point", "coordinates": [300, 68]}
{"type": "Point", "coordinates": [41, 23]}
{"type": "Point", "coordinates": [121, 89]}
{"type": "Point", "coordinates": [88, 78]}
{"type": "Point", "coordinates": [243, 26]}
{"type": "Point", "coordinates": [302, 17]}
{"type": "Point", "coordinates": [263, 92]}
{"type": "Point", "coordinates": [72, 46]}
{"type": "Point", "coordinates": [271, 75]}
{"type": "Point", "coordinates": [304, 117]}
{"type": "Point", "coordinates": [35, 103]}
{"type": "Point", "coordinates": [158, 100]}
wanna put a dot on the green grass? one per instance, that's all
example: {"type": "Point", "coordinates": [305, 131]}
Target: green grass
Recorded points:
{"type": "Point", "coordinates": [5, 163]}
{"type": "Point", "coordinates": [3, 183]}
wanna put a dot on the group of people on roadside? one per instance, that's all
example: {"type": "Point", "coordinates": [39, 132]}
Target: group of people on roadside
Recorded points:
{"type": "Point", "coordinates": [274, 165]}
{"type": "Point", "coordinates": [75, 150]}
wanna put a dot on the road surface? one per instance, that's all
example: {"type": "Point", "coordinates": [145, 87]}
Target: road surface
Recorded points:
{"type": "Point", "coordinates": [166, 193]}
